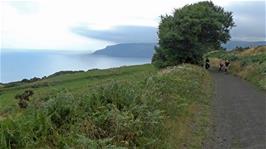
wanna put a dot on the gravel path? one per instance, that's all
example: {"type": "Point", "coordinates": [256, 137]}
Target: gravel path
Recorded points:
{"type": "Point", "coordinates": [239, 114]}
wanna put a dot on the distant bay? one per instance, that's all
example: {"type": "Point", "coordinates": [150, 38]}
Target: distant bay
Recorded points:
{"type": "Point", "coordinates": [16, 66]}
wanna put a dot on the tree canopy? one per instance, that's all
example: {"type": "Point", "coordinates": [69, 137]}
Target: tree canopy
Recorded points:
{"type": "Point", "coordinates": [191, 31]}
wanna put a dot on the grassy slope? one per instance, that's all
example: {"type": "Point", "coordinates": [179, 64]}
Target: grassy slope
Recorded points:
{"type": "Point", "coordinates": [146, 108]}
{"type": "Point", "coordinates": [249, 64]}
{"type": "Point", "coordinates": [78, 84]}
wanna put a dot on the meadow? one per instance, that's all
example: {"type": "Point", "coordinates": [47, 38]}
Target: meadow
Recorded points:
{"type": "Point", "coordinates": [127, 107]}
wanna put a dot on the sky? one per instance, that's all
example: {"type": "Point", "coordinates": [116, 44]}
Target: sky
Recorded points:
{"type": "Point", "coordinates": [93, 24]}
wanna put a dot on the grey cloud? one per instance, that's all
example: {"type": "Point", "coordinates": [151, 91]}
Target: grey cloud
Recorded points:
{"type": "Point", "coordinates": [250, 20]}
{"type": "Point", "coordinates": [121, 34]}
{"type": "Point", "coordinates": [251, 8]}
{"type": "Point", "coordinates": [249, 17]}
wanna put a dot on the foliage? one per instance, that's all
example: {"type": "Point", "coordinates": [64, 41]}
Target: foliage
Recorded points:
{"type": "Point", "coordinates": [247, 60]}
{"type": "Point", "coordinates": [24, 98]}
{"type": "Point", "coordinates": [133, 111]}
{"type": "Point", "coordinates": [222, 55]}
{"type": "Point", "coordinates": [190, 32]}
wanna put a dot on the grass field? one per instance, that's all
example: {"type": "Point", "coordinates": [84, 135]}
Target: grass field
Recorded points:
{"type": "Point", "coordinates": [249, 64]}
{"type": "Point", "coordinates": [127, 107]}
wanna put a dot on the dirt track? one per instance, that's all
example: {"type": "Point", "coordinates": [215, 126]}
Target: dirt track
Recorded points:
{"type": "Point", "coordinates": [239, 114]}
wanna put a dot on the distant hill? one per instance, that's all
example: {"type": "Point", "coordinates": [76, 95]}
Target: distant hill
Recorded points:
{"type": "Point", "coordinates": [233, 44]}
{"type": "Point", "coordinates": [144, 50]}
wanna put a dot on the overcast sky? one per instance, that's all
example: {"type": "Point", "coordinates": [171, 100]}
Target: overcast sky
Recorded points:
{"type": "Point", "coordinates": [91, 25]}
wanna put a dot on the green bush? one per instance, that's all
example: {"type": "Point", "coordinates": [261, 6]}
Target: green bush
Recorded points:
{"type": "Point", "coordinates": [247, 60]}
{"type": "Point", "coordinates": [223, 55]}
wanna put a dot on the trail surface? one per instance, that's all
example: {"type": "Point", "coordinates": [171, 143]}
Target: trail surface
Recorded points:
{"type": "Point", "coordinates": [239, 114]}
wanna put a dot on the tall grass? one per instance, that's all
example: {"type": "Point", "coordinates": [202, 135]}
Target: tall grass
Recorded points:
{"type": "Point", "coordinates": [160, 111]}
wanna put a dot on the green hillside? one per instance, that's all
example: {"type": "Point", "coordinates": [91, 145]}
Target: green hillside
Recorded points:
{"type": "Point", "coordinates": [140, 50]}
{"type": "Point", "coordinates": [127, 107]}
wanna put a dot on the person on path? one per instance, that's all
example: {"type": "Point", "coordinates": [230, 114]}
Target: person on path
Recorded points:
{"type": "Point", "coordinates": [227, 63]}
{"type": "Point", "coordinates": [207, 63]}
{"type": "Point", "coordinates": [221, 65]}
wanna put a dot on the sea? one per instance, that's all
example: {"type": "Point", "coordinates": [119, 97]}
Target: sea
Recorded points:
{"type": "Point", "coordinates": [16, 66]}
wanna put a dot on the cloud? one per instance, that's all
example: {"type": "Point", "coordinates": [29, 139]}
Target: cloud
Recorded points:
{"type": "Point", "coordinates": [48, 24]}
{"type": "Point", "coordinates": [44, 28]}
{"type": "Point", "coordinates": [121, 34]}
{"type": "Point", "coordinates": [250, 20]}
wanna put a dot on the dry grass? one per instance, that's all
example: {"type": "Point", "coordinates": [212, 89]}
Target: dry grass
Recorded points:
{"type": "Point", "coordinates": [214, 62]}
{"type": "Point", "coordinates": [184, 126]}
{"type": "Point", "coordinates": [236, 66]}
{"type": "Point", "coordinates": [246, 72]}
{"type": "Point", "coordinates": [253, 51]}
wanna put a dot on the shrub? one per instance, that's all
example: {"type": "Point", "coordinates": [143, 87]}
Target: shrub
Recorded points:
{"type": "Point", "coordinates": [24, 98]}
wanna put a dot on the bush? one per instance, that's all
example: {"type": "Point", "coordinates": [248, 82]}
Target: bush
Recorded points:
{"type": "Point", "coordinates": [222, 55]}
{"type": "Point", "coordinates": [252, 59]}
{"type": "Point", "coordinates": [24, 98]}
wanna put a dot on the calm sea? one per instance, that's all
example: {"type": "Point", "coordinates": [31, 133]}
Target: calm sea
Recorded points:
{"type": "Point", "coordinates": [19, 65]}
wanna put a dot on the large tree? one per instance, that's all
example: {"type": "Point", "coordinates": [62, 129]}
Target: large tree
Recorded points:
{"type": "Point", "coordinates": [190, 32]}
